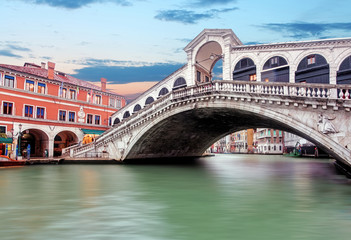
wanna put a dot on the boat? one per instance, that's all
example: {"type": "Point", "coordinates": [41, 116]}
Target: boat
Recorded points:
{"type": "Point", "coordinates": [296, 152]}
{"type": "Point", "coordinates": [6, 161]}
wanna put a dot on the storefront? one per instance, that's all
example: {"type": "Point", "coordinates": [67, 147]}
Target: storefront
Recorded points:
{"type": "Point", "coordinates": [90, 135]}
{"type": "Point", "coordinates": [5, 146]}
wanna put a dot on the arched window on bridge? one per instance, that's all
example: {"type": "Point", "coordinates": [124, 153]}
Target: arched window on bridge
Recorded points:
{"type": "Point", "coordinates": [179, 83]}
{"type": "Point", "coordinates": [245, 70]}
{"type": "Point", "coordinates": [149, 100]}
{"type": "Point", "coordinates": [276, 69]}
{"type": "Point", "coordinates": [343, 76]}
{"type": "Point", "coordinates": [116, 121]}
{"type": "Point", "coordinates": [126, 114]}
{"type": "Point", "coordinates": [344, 73]}
{"type": "Point", "coordinates": [163, 91]}
{"type": "Point", "coordinates": [312, 69]}
{"type": "Point", "coordinates": [137, 108]}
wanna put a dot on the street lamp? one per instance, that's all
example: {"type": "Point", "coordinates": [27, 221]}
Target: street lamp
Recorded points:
{"type": "Point", "coordinates": [19, 140]}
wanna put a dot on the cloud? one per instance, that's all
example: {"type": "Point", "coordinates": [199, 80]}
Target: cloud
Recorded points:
{"type": "Point", "coordinates": [9, 53]}
{"type": "Point", "coordinates": [302, 30]}
{"type": "Point", "coordinates": [18, 48]}
{"type": "Point", "coordinates": [110, 62]}
{"type": "Point", "coordinates": [126, 74]}
{"type": "Point", "coordinates": [189, 17]}
{"type": "Point", "coordinates": [206, 3]}
{"type": "Point", "coordinates": [75, 4]}
{"type": "Point", "coordinates": [182, 16]}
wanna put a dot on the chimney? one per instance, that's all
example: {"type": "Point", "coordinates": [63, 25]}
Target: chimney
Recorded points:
{"type": "Point", "coordinates": [43, 65]}
{"type": "Point", "coordinates": [103, 84]}
{"type": "Point", "coordinates": [51, 68]}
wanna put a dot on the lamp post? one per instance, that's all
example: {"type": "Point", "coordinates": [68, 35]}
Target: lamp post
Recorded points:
{"type": "Point", "coordinates": [19, 141]}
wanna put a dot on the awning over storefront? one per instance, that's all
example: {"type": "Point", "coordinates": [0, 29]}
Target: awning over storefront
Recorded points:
{"type": "Point", "coordinates": [92, 131]}
{"type": "Point", "coordinates": [5, 140]}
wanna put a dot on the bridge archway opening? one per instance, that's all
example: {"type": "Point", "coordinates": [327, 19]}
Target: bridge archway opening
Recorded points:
{"type": "Point", "coordinates": [245, 70]}
{"type": "Point", "coordinates": [190, 133]}
{"type": "Point", "coordinates": [149, 100]}
{"type": "Point", "coordinates": [206, 58]}
{"type": "Point", "coordinates": [162, 92]}
{"type": "Point", "coordinates": [126, 115]}
{"type": "Point", "coordinates": [275, 69]}
{"type": "Point", "coordinates": [344, 72]}
{"type": "Point", "coordinates": [116, 121]}
{"type": "Point", "coordinates": [179, 83]}
{"type": "Point", "coordinates": [313, 68]}
{"type": "Point", "coordinates": [137, 108]}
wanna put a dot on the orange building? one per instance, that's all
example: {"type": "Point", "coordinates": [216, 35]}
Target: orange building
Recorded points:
{"type": "Point", "coordinates": [50, 110]}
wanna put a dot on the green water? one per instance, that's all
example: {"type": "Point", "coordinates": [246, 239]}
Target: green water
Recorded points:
{"type": "Point", "coordinates": [222, 197]}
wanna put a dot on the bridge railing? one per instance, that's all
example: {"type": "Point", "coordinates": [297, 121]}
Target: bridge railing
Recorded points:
{"type": "Point", "coordinates": [282, 89]}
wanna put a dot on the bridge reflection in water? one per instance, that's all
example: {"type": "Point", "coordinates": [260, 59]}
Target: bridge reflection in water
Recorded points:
{"type": "Point", "coordinates": [222, 197]}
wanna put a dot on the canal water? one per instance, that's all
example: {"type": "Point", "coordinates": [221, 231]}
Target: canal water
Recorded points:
{"type": "Point", "coordinates": [222, 197]}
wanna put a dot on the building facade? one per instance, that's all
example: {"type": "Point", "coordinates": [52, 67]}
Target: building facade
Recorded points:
{"type": "Point", "coordinates": [269, 141]}
{"type": "Point", "coordinates": [50, 110]}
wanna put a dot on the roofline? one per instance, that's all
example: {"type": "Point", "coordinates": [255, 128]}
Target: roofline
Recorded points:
{"type": "Point", "coordinates": [329, 40]}
{"type": "Point", "coordinates": [58, 81]}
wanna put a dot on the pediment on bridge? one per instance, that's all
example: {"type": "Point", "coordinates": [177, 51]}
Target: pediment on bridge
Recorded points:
{"type": "Point", "coordinates": [226, 34]}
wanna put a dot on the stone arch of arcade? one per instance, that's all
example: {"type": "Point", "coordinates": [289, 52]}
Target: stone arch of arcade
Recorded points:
{"type": "Point", "coordinates": [38, 140]}
{"type": "Point", "coordinates": [64, 139]}
{"type": "Point", "coordinates": [205, 59]}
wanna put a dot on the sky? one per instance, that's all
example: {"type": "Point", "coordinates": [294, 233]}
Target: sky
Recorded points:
{"type": "Point", "coordinates": [137, 43]}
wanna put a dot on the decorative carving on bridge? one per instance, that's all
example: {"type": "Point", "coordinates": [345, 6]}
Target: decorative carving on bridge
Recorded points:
{"type": "Point", "coordinates": [325, 125]}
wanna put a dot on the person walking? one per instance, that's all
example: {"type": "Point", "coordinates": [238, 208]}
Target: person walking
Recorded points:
{"type": "Point", "coordinates": [28, 152]}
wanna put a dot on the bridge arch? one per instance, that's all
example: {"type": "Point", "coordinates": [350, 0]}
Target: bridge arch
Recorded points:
{"type": "Point", "coordinates": [344, 72]}
{"type": "Point", "coordinates": [179, 83]}
{"type": "Point", "coordinates": [341, 58]}
{"type": "Point", "coordinates": [116, 121]}
{"type": "Point", "coordinates": [205, 59]}
{"type": "Point", "coordinates": [313, 68]}
{"type": "Point", "coordinates": [136, 108]}
{"type": "Point", "coordinates": [163, 91]}
{"type": "Point", "coordinates": [149, 100]}
{"type": "Point", "coordinates": [245, 70]}
{"type": "Point", "coordinates": [275, 69]}
{"type": "Point", "coordinates": [206, 122]}
{"type": "Point", "coordinates": [126, 114]}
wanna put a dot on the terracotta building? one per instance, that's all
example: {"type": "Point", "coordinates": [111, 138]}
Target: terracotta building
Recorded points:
{"type": "Point", "coordinates": [50, 110]}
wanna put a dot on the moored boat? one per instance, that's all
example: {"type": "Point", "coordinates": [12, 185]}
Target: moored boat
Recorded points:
{"type": "Point", "coordinates": [6, 161]}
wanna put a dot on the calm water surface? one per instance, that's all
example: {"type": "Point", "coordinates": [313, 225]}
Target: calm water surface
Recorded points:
{"type": "Point", "coordinates": [222, 197]}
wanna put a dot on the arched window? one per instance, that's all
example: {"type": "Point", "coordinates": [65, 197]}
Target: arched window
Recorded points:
{"type": "Point", "coordinates": [180, 82]}
{"type": "Point", "coordinates": [163, 91]}
{"type": "Point", "coordinates": [344, 73]}
{"type": "Point", "coordinates": [116, 121]}
{"type": "Point", "coordinates": [149, 100]}
{"type": "Point", "coordinates": [276, 69]}
{"type": "Point", "coordinates": [126, 114]}
{"type": "Point", "coordinates": [245, 70]}
{"type": "Point", "coordinates": [137, 108]}
{"type": "Point", "coordinates": [312, 69]}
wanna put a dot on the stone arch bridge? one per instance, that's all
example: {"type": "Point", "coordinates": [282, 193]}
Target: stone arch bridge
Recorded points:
{"type": "Point", "coordinates": [185, 122]}
{"type": "Point", "coordinates": [300, 87]}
